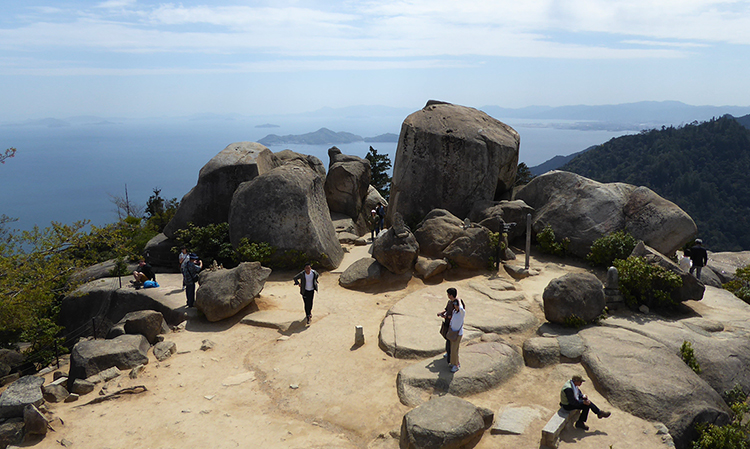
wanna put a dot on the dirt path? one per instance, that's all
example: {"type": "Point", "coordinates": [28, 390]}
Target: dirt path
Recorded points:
{"type": "Point", "coordinates": [309, 388]}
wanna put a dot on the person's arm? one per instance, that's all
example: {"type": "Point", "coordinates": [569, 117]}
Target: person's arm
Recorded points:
{"type": "Point", "coordinates": [572, 399]}
{"type": "Point", "coordinates": [296, 278]}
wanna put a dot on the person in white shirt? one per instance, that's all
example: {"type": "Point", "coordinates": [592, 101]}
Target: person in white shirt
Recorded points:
{"type": "Point", "coordinates": [456, 327]}
{"type": "Point", "coordinates": [308, 285]}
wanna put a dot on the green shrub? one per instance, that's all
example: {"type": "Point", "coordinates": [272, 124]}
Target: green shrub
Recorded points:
{"type": "Point", "coordinates": [688, 356]}
{"type": "Point", "coordinates": [740, 286]}
{"type": "Point", "coordinates": [549, 244]}
{"type": "Point", "coordinates": [643, 283]}
{"type": "Point", "coordinates": [574, 321]}
{"type": "Point", "coordinates": [210, 242]}
{"type": "Point", "coordinates": [617, 245]}
{"type": "Point", "coordinates": [254, 252]}
{"type": "Point", "coordinates": [731, 436]}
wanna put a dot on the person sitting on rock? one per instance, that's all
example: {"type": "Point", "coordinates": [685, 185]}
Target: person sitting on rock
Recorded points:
{"type": "Point", "coordinates": [571, 398]}
{"type": "Point", "coordinates": [143, 273]}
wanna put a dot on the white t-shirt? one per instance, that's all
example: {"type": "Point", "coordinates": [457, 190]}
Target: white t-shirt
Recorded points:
{"type": "Point", "coordinates": [309, 281]}
{"type": "Point", "coordinates": [457, 319]}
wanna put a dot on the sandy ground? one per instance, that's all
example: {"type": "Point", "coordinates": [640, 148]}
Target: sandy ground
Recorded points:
{"type": "Point", "coordinates": [310, 387]}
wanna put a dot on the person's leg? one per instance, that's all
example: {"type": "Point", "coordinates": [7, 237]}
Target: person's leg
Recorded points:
{"type": "Point", "coordinates": [692, 268]}
{"type": "Point", "coordinates": [448, 349]}
{"type": "Point", "coordinates": [190, 294]}
{"type": "Point", "coordinates": [454, 351]}
{"type": "Point", "coordinates": [698, 272]}
{"type": "Point", "coordinates": [307, 297]}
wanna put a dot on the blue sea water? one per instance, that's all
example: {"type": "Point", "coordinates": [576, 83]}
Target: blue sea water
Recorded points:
{"type": "Point", "coordinates": [69, 173]}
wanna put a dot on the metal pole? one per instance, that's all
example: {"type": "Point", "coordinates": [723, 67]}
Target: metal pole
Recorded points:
{"type": "Point", "coordinates": [528, 239]}
{"type": "Point", "coordinates": [57, 359]}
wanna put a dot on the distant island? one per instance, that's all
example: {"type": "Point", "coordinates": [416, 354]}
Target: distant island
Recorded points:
{"type": "Point", "coordinates": [324, 136]}
{"type": "Point", "coordinates": [267, 125]}
{"type": "Point", "coordinates": [387, 137]}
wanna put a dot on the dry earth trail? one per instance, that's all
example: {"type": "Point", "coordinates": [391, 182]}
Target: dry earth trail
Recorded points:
{"type": "Point", "coordinates": [309, 387]}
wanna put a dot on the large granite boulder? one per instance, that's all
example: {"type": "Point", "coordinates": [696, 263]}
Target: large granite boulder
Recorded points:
{"type": "Point", "coordinates": [148, 323]}
{"type": "Point", "coordinates": [289, 156]}
{"type": "Point", "coordinates": [225, 292]}
{"type": "Point", "coordinates": [9, 360]}
{"type": "Point", "coordinates": [11, 432]}
{"type": "Point", "coordinates": [493, 214]}
{"type": "Point", "coordinates": [438, 229]}
{"type": "Point", "coordinates": [483, 366]}
{"type": "Point", "coordinates": [472, 249]}
{"type": "Point", "coordinates": [691, 289]}
{"type": "Point", "coordinates": [428, 268]}
{"type": "Point", "coordinates": [347, 183]}
{"type": "Point", "coordinates": [93, 356]}
{"type": "Point", "coordinates": [445, 422]}
{"type": "Point", "coordinates": [584, 210]}
{"type": "Point", "coordinates": [396, 249]}
{"type": "Point", "coordinates": [362, 273]}
{"type": "Point", "coordinates": [643, 377]}
{"type": "Point", "coordinates": [286, 208]}
{"type": "Point", "coordinates": [443, 235]}
{"type": "Point", "coordinates": [722, 355]}
{"type": "Point", "coordinates": [160, 254]}
{"type": "Point", "coordinates": [410, 328]}
{"type": "Point", "coordinates": [209, 201]}
{"type": "Point", "coordinates": [725, 264]}
{"type": "Point", "coordinates": [573, 295]}
{"type": "Point", "coordinates": [449, 157]}
{"type": "Point", "coordinates": [99, 271]}
{"type": "Point", "coordinates": [25, 391]}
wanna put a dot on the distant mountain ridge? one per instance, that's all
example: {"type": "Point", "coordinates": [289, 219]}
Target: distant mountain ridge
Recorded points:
{"type": "Point", "coordinates": [704, 168]}
{"type": "Point", "coordinates": [323, 136]}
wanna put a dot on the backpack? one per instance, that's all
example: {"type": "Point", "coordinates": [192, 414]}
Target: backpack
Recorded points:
{"type": "Point", "coordinates": [150, 284]}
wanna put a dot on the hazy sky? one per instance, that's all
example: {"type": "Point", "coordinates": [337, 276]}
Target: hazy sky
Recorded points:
{"type": "Point", "coordinates": [150, 58]}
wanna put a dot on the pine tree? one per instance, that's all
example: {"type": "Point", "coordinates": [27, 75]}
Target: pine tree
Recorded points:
{"type": "Point", "coordinates": [380, 164]}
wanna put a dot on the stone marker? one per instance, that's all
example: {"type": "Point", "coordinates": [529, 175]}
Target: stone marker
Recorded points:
{"type": "Point", "coordinates": [514, 420]}
{"type": "Point", "coordinates": [359, 336]}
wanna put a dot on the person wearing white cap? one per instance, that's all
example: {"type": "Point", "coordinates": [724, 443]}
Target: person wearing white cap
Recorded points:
{"type": "Point", "coordinates": [699, 257]}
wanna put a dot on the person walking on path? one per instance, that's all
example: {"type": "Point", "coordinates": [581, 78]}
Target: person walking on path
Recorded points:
{"type": "Point", "coordinates": [181, 257]}
{"type": "Point", "coordinates": [380, 211]}
{"type": "Point", "coordinates": [307, 280]}
{"type": "Point", "coordinates": [571, 398]}
{"type": "Point", "coordinates": [373, 220]}
{"type": "Point", "coordinates": [191, 266]}
{"type": "Point", "coordinates": [699, 257]}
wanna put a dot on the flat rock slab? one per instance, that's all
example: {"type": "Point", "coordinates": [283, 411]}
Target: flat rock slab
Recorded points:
{"type": "Point", "coordinates": [282, 320]}
{"type": "Point", "coordinates": [641, 376]}
{"type": "Point", "coordinates": [25, 391]}
{"type": "Point", "coordinates": [483, 367]}
{"type": "Point", "coordinates": [411, 327]}
{"type": "Point", "coordinates": [514, 420]}
{"type": "Point", "coordinates": [722, 356]}
{"type": "Point", "coordinates": [445, 422]}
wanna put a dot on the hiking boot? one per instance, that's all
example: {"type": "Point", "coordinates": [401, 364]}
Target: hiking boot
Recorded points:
{"type": "Point", "coordinates": [454, 368]}
{"type": "Point", "coordinates": [603, 414]}
{"type": "Point", "coordinates": [580, 425]}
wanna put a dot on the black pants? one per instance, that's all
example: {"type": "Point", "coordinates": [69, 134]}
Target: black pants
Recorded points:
{"type": "Point", "coordinates": [190, 293]}
{"type": "Point", "coordinates": [584, 410]}
{"type": "Point", "coordinates": [307, 297]}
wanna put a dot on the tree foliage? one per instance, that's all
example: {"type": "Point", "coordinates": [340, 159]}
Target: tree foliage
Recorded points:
{"type": "Point", "coordinates": [548, 242]}
{"type": "Point", "coordinates": [740, 285]}
{"type": "Point", "coordinates": [736, 434]}
{"type": "Point", "coordinates": [380, 164]}
{"type": "Point", "coordinates": [523, 174]}
{"type": "Point", "coordinates": [704, 168]}
{"type": "Point", "coordinates": [9, 153]}
{"type": "Point", "coordinates": [159, 211]}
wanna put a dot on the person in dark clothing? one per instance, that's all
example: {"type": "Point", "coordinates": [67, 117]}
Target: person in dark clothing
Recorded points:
{"type": "Point", "coordinates": [307, 280]}
{"type": "Point", "coordinates": [699, 257]}
{"type": "Point", "coordinates": [191, 266]}
{"type": "Point", "coordinates": [447, 314]}
{"type": "Point", "coordinates": [143, 273]}
{"type": "Point", "coordinates": [571, 398]}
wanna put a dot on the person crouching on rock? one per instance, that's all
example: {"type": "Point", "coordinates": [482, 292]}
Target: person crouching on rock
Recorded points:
{"type": "Point", "coordinates": [143, 273]}
{"type": "Point", "coordinates": [190, 269]}
{"type": "Point", "coordinates": [571, 398]}
{"type": "Point", "coordinates": [308, 284]}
